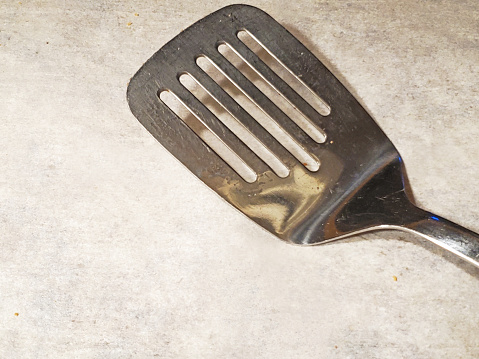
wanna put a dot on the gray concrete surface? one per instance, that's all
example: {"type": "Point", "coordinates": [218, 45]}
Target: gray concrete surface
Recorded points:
{"type": "Point", "coordinates": [109, 248]}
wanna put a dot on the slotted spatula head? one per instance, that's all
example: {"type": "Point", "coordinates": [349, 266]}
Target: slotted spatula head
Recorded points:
{"type": "Point", "coordinates": [358, 170]}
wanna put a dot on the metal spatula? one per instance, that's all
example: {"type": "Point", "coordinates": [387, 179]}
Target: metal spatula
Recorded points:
{"type": "Point", "coordinates": [258, 118]}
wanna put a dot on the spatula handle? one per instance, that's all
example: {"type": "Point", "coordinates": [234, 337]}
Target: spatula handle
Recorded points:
{"type": "Point", "coordinates": [448, 235]}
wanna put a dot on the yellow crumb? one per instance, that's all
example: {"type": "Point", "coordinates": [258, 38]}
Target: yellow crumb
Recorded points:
{"type": "Point", "coordinates": [129, 24]}
{"type": "Point", "coordinates": [395, 278]}
{"type": "Point", "coordinates": [16, 314]}
{"type": "Point", "coordinates": [136, 14]}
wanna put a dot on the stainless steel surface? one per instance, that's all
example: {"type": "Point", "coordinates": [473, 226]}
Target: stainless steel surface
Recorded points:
{"type": "Point", "coordinates": [360, 184]}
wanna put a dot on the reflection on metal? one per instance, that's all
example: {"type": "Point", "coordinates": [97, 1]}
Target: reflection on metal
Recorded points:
{"type": "Point", "coordinates": [359, 185]}
{"type": "Point", "coordinates": [280, 204]}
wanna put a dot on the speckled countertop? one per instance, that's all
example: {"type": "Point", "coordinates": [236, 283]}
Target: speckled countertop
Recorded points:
{"type": "Point", "coordinates": [111, 249]}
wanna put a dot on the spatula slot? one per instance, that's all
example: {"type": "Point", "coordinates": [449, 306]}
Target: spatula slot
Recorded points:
{"type": "Point", "coordinates": [194, 122]}
{"type": "Point", "coordinates": [269, 90]}
{"type": "Point", "coordinates": [233, 124]}
{"type": "Point", "coordinates": [284, 72]}
{"type": "Point", "coordinates": [250, 106]}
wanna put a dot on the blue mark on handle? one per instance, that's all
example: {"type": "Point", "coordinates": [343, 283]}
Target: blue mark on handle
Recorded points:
{"type": "Point", "coordinates": [435, 218]}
